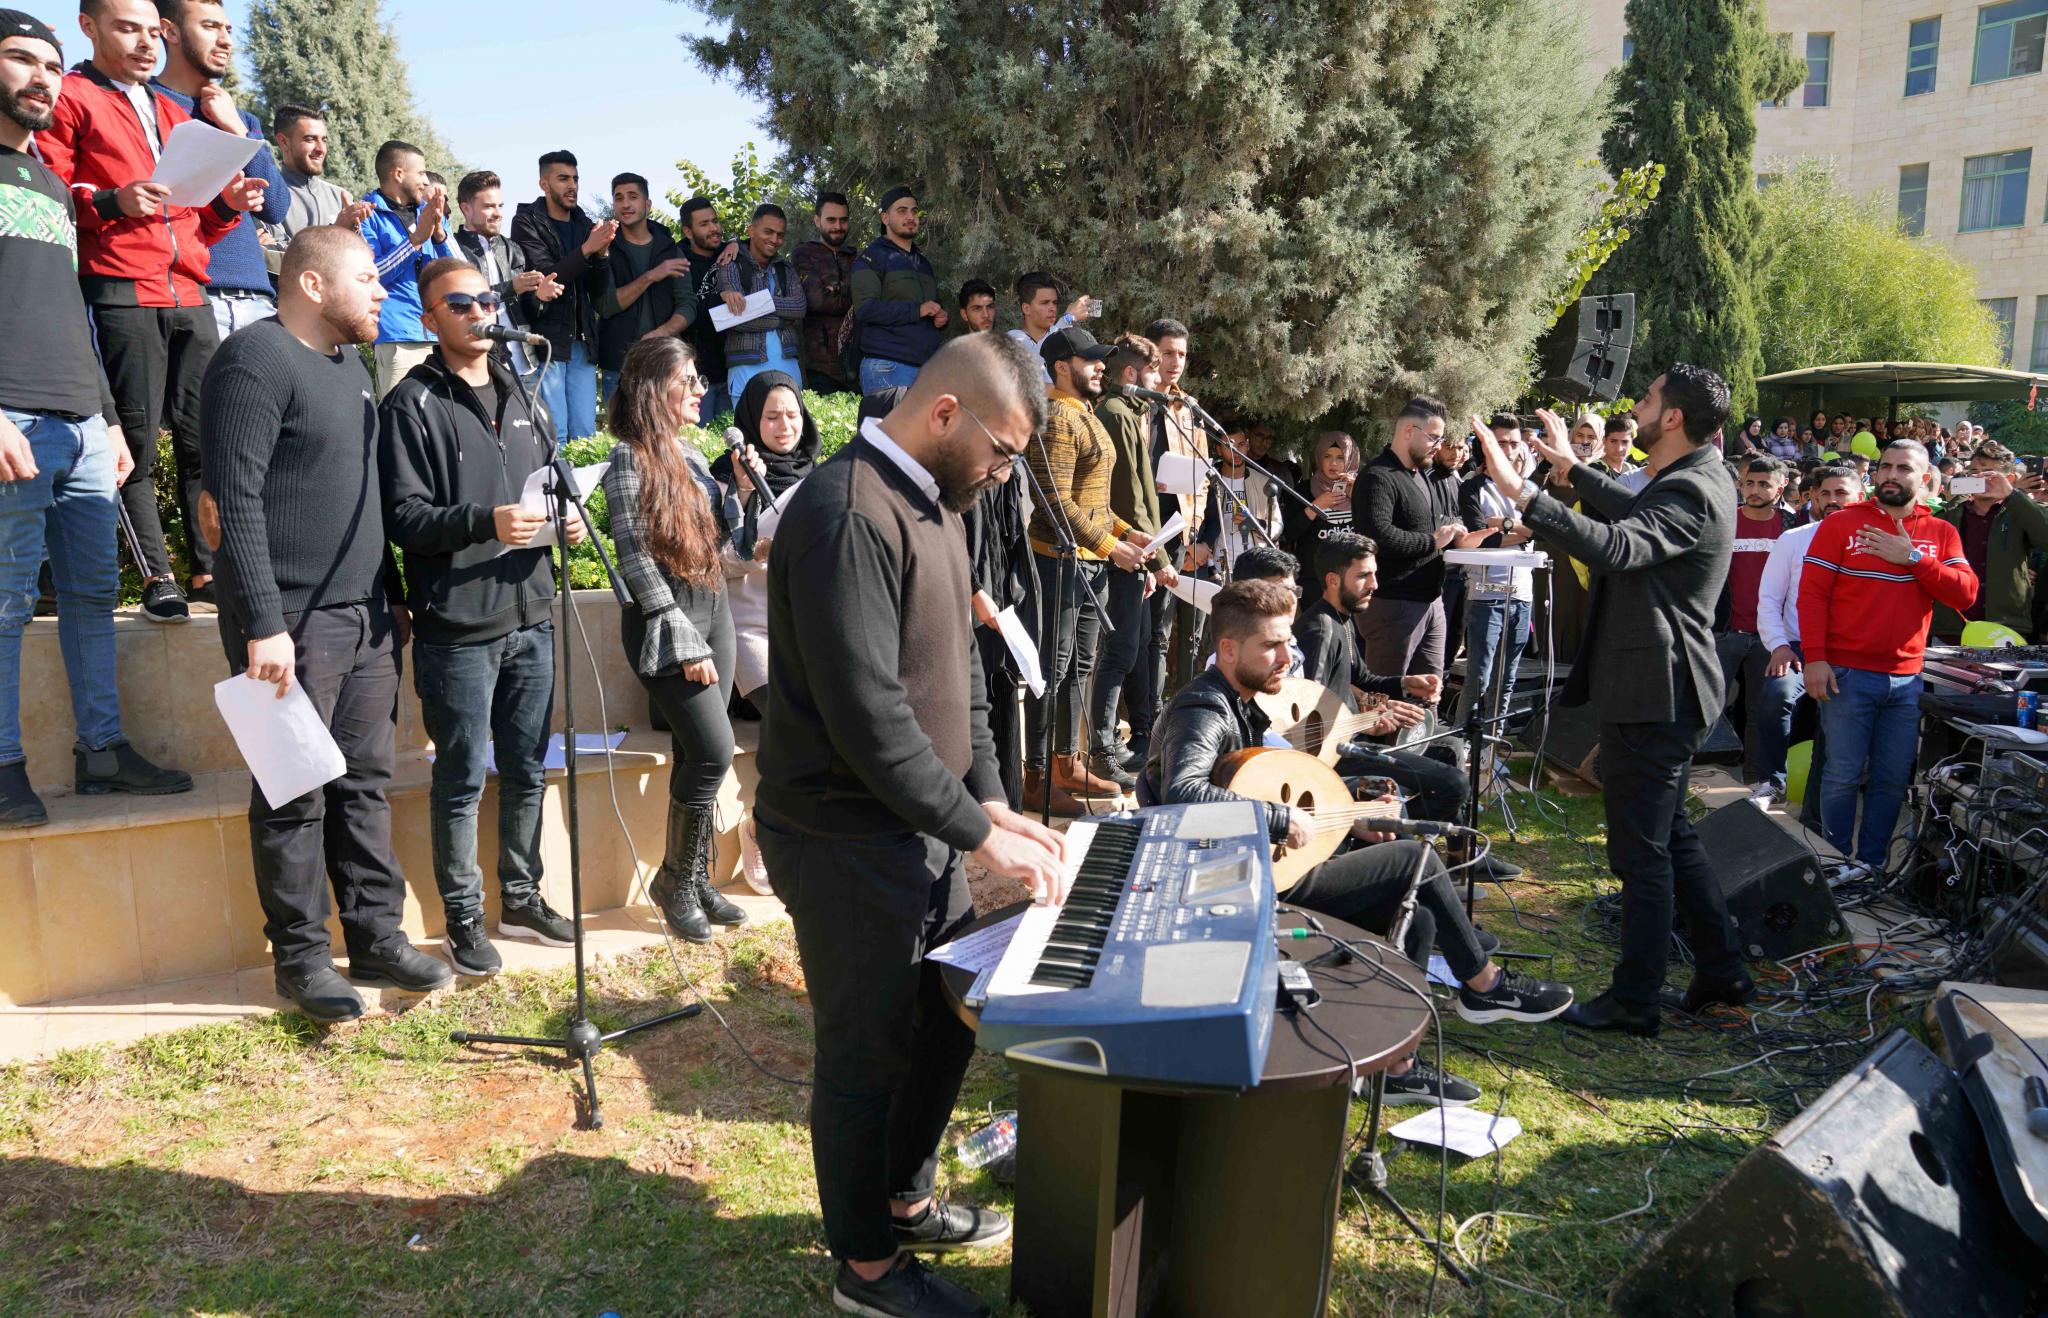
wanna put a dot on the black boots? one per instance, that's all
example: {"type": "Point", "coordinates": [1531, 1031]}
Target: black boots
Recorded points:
{"type": "Point", "coordinates": [683, 888]}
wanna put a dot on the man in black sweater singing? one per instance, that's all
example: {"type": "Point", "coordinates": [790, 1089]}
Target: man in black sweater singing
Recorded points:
{"type": "Point", "coordinates": [459, 439]}
{"type": "Point", "coordinates": [1404, 628]}
{"type": "Point", "coordinates": [289, 459]}
{"type": "Point", "coordinates": [877, 773]}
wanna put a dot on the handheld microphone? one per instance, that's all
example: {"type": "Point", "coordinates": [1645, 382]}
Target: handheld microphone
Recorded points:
{"type": "Point", "coordinates": [504, 334]}
{"type": "Point", "coordinates": [1148, 395]}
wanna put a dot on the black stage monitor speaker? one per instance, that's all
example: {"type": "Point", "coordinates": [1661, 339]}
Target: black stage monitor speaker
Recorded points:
{"type": "Point", "coordinates": [1878, 1201]}
{"type": "Point", "coordinates": [1773, 883]}
{"type": "Point", "coordinates": [1571, 742]}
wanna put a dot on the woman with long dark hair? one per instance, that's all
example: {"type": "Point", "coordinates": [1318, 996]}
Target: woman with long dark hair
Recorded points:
{"type": "Point", "coordinates": [668, 520]}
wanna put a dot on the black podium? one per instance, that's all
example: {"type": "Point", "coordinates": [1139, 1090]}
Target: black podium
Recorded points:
{"type": "Point", "coordinates": [1147, 1201]}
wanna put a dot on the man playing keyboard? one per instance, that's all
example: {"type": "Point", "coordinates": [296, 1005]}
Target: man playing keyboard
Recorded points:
{"type": "Point", "coordinates": [877, 774]}
{"type": "Point", "coordinates": [1217, 715]}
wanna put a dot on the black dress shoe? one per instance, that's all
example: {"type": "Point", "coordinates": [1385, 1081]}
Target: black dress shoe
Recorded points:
{"type": "Point", "coordinates": [1604, 1013]}
{"type": "Point", "coordinates": [402, 966]}
{"type": "Point", "coordinates": [1702, 992]}
{"type": "Point", "coordinates": [320, 992]}
{"type": "Point", "coordinates": [20, 807]}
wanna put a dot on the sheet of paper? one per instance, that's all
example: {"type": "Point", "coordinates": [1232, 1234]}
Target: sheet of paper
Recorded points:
{"type": "Point", "coordinates": [1177, 473]}
{"type": "Point", "coordinates": [199, 160]}
{"type": "Point", "coordinates": [1174, 526]}
{"type": "Point", "coordinates": [759, 303]}
{"type": "Point", "coordinates": [981, 950]}
{"type": "Point", "coordinates": [771, 516]}
{"type": "Point", "coordinates": [556, 756]}
{"type": "Point", "coordinates": [1440, 972]}
{"type": "Point", "coordinates": [1196, 591]}
{"type": "Point", "coordinates": [1023, 649]}
{"type": "Point", "coordinates": [1471, 1131]}
{"type": "Point", "coordinates": [287, 747]}
{"type": "Point", "coordinates": [533, 496]}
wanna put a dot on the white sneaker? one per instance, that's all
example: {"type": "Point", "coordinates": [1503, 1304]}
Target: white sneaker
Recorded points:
{"type": "Point", "coordinates": [752, 868]}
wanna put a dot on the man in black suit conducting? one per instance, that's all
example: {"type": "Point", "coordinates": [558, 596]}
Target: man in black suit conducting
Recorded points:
{"type": "Point", "coordinates": [1648, 666]}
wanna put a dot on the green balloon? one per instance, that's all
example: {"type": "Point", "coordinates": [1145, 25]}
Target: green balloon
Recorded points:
{"type": "Point", "coordinates": [1864, 445]}
{"type": "Point", "coordinates": [1798, 764]}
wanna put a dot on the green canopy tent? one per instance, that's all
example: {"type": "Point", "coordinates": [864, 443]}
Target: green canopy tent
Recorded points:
{"type": "Point", "coordinates": [1908, 382]}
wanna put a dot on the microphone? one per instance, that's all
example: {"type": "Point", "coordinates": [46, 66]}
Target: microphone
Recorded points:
{"type": "Point", "coordinates": [504, 334]}
{"type": "Point", "coordinates": [1419, 828]}
{"type": "Point", "coordinates": [1148, 395]}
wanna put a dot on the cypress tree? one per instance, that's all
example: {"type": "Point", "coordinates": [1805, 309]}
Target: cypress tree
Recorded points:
{"type": "Point", "coordinates": [1687, 99]}
{"type": "Point", "coordinates": [1345, 202]}
{"type": "Point", "coordinates": [341, 57]}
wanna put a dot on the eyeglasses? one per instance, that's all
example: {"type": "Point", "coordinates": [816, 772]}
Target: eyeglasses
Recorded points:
{"type": "Point", "coordinates": [693, 383]}
{"type": "Point", "coordinates": [460, 303]}
{"type": "Point", "coordinates": [1007, 453]}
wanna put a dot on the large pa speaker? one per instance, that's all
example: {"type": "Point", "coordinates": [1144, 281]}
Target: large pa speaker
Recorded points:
{"type": "Point", "coordinates": [1772, 881]}
{"type": "Point", "coordinates": [1878, 1201]}
{"type": "Point", "coordinates": [1589, 359]}
{"type": "Point", "coordinates": [1568, 739]}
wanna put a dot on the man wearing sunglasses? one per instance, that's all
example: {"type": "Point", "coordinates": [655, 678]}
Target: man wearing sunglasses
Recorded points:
{"type": "Point", "coordinates": [458, 440]}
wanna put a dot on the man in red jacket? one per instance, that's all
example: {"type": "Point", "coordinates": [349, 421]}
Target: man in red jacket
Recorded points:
{"type": "Point", "coordinates": [1866, 595]}
{"type": "Point", "coordinates": [142, 263]}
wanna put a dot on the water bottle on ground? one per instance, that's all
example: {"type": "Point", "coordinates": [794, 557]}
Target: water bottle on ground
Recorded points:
{"type": "Point", "coordinates": [998, 1139]}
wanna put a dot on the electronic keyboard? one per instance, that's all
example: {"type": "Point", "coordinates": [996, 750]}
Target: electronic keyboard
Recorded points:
{"type": "Point", "coordinates": [1160, 966]}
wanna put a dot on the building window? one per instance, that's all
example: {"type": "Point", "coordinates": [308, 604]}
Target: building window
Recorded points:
{"type": "Point", "coordinates": [1995, 191]}
{"type": "Point", "coordinates": [1913, 199]}
{"type": "Point", "coordinates": [1923, 50]}
{"type": "Point", "coordinates": [2041, 333]}
{"type": "Point", "coordinates": [2009, 39]}
{"type": "Point", "coordinates": [1628, 48]}
{"type": "Point", "coordinates": [2003, 310]}
{"type": "Point", "coordinates": [1784, 40]}
{"type": "Point", "coordinates": [1820, 51]}
{"type": "Point", "coordinates": [1765, 182]}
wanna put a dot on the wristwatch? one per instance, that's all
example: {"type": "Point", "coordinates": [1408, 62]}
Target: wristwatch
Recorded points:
{"type": "Point", "coordinates": [1913, 559]}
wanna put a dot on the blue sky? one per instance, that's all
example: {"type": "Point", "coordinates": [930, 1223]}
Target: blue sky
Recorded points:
{"type": "Point", "coordinates": [505, 80]}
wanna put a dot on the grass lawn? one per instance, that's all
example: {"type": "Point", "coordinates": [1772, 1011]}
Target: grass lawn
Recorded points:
{"type": "Point", "coordinates": [270, 1166]}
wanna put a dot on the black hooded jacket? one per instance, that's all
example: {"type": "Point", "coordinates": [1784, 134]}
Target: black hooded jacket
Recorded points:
{"type": "Point", "coordinates": [445, 465]}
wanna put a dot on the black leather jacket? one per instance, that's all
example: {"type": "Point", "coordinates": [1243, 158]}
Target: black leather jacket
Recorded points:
{"type": "Point", "coordinates": [1205, 721]}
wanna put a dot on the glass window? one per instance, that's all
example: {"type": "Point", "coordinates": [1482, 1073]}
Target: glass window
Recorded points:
{"type": "Point", "coordinates": [2009, 39]}
{"type": "Point", "coordinates": [1995, 191]}
{"type": "Point", "coordinates": [1628, 47]}
{"type": "Point", "coordinates": [1913, 199]}
{"type": "Point", "coordinates": [1923, 49]}
{"type": "Point", "coordinates": [2003, 310]}
{"type": "Point", "coordinates": [2041, 333]}
{"type": "Point", "coordinates": [1820, 51]}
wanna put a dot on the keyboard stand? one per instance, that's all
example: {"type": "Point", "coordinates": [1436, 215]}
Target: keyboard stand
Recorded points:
{"type": "Point", "coordinates": [1133, 1200]}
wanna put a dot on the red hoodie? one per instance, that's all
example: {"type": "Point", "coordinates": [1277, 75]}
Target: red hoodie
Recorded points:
{"type": "Point", "coordinates": [96, 146]}
{"type": "Point", "coordinates": [1857, 610]}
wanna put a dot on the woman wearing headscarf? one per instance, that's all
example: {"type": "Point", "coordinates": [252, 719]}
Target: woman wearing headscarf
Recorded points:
{"type": "Point", "coordinates": [667, 522]}
{"type": "Point", "coordinates": [778, 448]}
{"type": "Point", "coordinates": [1332, 470]}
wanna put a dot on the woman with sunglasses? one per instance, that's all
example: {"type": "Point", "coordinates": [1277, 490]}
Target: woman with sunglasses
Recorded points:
{"type": "Point", "coordinates": [668, 519]}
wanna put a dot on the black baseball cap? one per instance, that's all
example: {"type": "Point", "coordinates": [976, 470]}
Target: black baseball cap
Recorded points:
{"type": "Point", "coordinates": [14, 23]}
{"type": "Point", "coordinates": [1073, 342]}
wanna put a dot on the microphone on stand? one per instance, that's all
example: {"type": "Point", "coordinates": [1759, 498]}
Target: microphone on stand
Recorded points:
{"type": "Point", "coordinates": [505, 334]}
{"type": "Point", "coordinates": [1148, 395]}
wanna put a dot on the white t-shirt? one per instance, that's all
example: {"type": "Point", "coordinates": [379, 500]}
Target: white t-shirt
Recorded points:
{"type": "Point", "coordinates": [144, 103]}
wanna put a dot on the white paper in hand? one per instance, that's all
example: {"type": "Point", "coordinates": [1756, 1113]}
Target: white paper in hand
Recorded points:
{"type": "Point", "coordinates": [199, 160]}
{"type": "Point", "coordinates": [1194, 590]}
{"type": "Point", "coordinates": [1174, 526]}
{"type": "Point", "coordinates": [1023, 649]}
{"type": "Point", "coordinates": [287, 747]}
{"type": "Point", "coordinates": [533, 496]}
{"type": "Point", "coordinates": [760, 302]}
{"type": "Point", "coordinates": [1177, 473]}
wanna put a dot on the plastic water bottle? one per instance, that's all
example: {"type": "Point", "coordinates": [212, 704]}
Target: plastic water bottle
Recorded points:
{"type": "Point", "coordinates": [998, 1139]}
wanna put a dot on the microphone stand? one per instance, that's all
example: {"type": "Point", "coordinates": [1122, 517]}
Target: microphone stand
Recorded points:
{"type": "Point", "coordinates": [1066, 551]}
{"type": "Point", "coordinates": [583, 1039]}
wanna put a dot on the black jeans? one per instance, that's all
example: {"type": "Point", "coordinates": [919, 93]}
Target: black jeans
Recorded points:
{"type": "Point", "coordinates": [889, 1052]}
{"type": "Point", "coordinates": [1365, 887]}
{"type": "Point", "coordinates": [698, 726]}
{"type": "Point", "coordinates": [1176, 646]}
{"type": "Point", "coordinates": [1651, 847]}
{"type": "Point", "coordinates": [348, 664]}
{"type": "Point", "coordinates": [1454, 614]}
{"type": "Point", "coordinates": [1436, 790]}
{"type": "Point", "coordinates": [1067, 634]}
{"type": "Point", "coordinates": [1121, 650]}
{"type": "Point", "coordinates": [156, 359]}
{"type": "Point", "coordinates": [1005, 711]}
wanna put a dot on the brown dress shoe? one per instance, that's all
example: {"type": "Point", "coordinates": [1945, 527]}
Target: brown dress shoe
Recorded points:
{"type": "Point", "coordinates": [1071, 772]}
{"type": "Point", "coordinates": [1035, 788]}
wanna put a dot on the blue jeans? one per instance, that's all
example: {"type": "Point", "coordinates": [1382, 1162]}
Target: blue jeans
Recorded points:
{"type": "Point", "coordinates": [569, 388]}
{"type": "Point", "coordinates": [1490, 626]}
{"type": "Point", "coordinates": [736, 377]}
{"type": "Point", "coordinates": [879, 373]}
{"type": "Point", "coordinates": [239, 308]}
{"type": "Point", "coordinates": [1873, 730]}
{"type": "Point", "coordinates": [1743, 658]}
{"type": "Point", "coordinates": [68, 508]}
{"type": "Point", "coordinates": [499, 693]}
